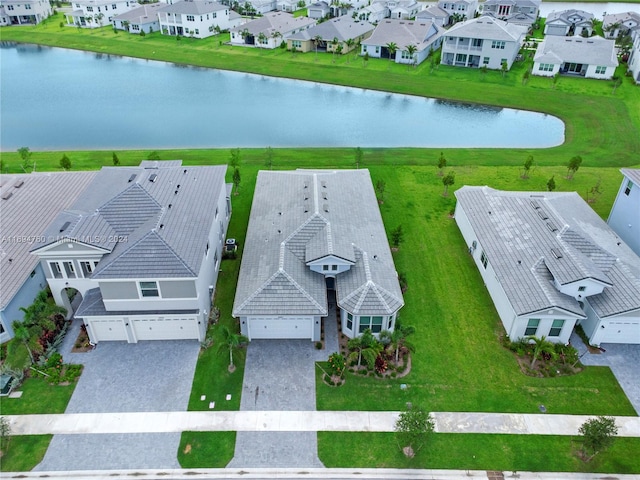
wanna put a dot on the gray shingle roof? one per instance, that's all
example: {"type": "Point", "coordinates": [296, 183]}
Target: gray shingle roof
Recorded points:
{"type": "Point", "coordinates": [632, 174]}
{"type": "Point", "coordinates": [622, 18]}
{"type": "Point", "coordinates": [152, 229]}
{"type": "Point", "coordinates": [591, 51]}
{"type": "Point", "coordinates": [299, 216]}
{"type": "Point", "coordinates": [519, 246]}
{"type": "Point", "coordinates": [432, 11]}
{"type": "Point", "coordinates": [281, 22]}
{"type": "Point", "coordinates": [193, 7]}
{"type": "Point", "coordinates": [487, 28]}
{"type": "Point", "coordinates": [342, 28]}
{"type": "Point", "coordinates": [39, 198]}
{"type": "Point", "coordinates": [569, 17]}
{"type": "Point", "coordinates": [403, 33]}
{"type": "Point", "coordinates": [147, 13]}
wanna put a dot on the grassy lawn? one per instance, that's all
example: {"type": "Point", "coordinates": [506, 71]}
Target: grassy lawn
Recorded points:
{"type": "Point", "coordinates": [38, 397]}
{"type": "Point", "coordinates": [507, 453]}
{"type": "Point", "coordinates": [206, 449]}
{"type": "Point", "coordinates": [24, 452]}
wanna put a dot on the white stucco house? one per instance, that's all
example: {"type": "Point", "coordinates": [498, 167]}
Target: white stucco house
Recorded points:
{"type": "Point", "coordinates": [568, 23]}
{"type": "Point", "coordinates": [518, 12]}
{"type": "Point", "coordinates": [634, 57]}
{"type": "Point", "coordinates": [435, 14]}
{"type": "Point", "coordinates": [624, 218]}
{"type": "Point", "coordinates": [141, 19]}
{"type": "Point", "coordinates": [620, 23]}
{"type": "Point", "coordinates": [196, 18]}
{"type": "Point", "coordinates": [24, 12]}
{"type": "Point", "coordinates": [425, 36]}
{"type": "Point", "coordinates": [482, 41]}
{"type": "Point", "coordinates": [550, 262]}
{"type": "Point", "coordinates": [318, 10]}
{"type": "Point", "coordinates": [270, 30]}
{"type": "Point", "coordinates": [461, 9]}
{"type": "Point", "coordinates": [97, 13]}
{"type": "Point", "coordinates": [315, 238]}
{"type": "Point", "coordinates": [27, 202]}
{"type": "Point", "coordinates": [345, 30]}
{"type": "Point", "coordinates": [593, 57]}
{"type": "Point", "coordinates": [142, 246]}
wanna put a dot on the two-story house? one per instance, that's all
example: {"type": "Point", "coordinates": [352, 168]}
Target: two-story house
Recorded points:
{"type": "Point", "coordinates": [316, 249]}
{"type": "Point", "coordinates": [24, 12]}
{"type": "Point", "coordinates": [459, 10]}
{"type": "Point", "coordinates": [625, 213]}
{"type": "Point", "coordinates": [634, 56]}
{"type": "Point", "coordinates": [196, 18]}
{"type": "Point", "coordinates": [519, 12]}
{"type": "Point", "coordinates": [97, 13]}
{"type": "Point", "coordinates": [142, 246]}
{"type": "Point", "coordinates": [482, 41]}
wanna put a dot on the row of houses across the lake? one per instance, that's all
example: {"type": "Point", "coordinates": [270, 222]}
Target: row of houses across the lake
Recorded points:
{"type": "Point", "coordinates": [488, 34]}
{"type": "Point", "coordinates": [142, 247]}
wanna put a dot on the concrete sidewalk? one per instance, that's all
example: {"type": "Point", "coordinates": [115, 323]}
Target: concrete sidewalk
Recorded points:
{"type": "Point", "coordinates": [302, 421]}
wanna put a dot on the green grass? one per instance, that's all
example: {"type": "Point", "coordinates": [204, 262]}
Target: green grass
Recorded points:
{"type": "Point", "coordinates": [38, 397]}
{"type": "Point", "coordinates": [207, 449]}
{"type": "Point", "coordinates": [24, 452]}
{"type": "Point", "coordinates": [507, 453]}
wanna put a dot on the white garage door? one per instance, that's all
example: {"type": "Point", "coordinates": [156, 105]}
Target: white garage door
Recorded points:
{"type": "Point", "coordinates": [294, 327]}
{"type": "Point", "coordinates": [620, 332]}
{"type": "Point", "coordinates": [108, 330]}
{"type": "Point", "coordinates": [165, 328]}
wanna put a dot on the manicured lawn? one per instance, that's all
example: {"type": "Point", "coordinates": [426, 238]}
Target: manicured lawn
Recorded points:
{"type": "Point", "coordinates": [38, 397]}
{"type": "Point", "coordinates": [206, 449]}
{"type": "Point", "coordinates": [507, 453]}
{"type": "Point", "coordinates": [24, 452]}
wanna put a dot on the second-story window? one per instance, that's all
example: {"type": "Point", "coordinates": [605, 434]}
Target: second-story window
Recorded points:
{"type": "Point", "coordinates": [149, 289]}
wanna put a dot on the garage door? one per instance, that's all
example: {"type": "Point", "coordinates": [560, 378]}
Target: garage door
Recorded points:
{"type": "Point", "coordinates": [165, 328]}
{"type": "Point", "coordinates": [108, 330]}
{"type": "Point", "coordinates": [556, 30]}
{"type": "Point", "coordinates": [620, 332]}
{"type": "Point", "coordinates": [294, 327]}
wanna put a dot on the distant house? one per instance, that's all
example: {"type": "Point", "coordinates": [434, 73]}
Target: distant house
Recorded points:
{"type": "Point", "coordinates": [482, 41]}
{"type": "Point", "coordinates": [625, 213]}
{"type": "Point", "coordinates": [196, 18]}
{"type": "Point", "coordinates": [97, 13]}
{"type": "Point", "coordinates": [435, 14]}
{"type": "Point", "coordinates": [141, 19]}
{"type": "Point", "coordinates": [459, 9]}
{"type": "Point", "coordinates": [402, 9]}
{"type": "Point", "coordinates": [593, 57]}
{"type": "Point", "coordinates": [634, 57]}
{"type": "Point", "coordinates": [568, 23]}
{"type": "Point", "coordinates": [142, 246]}
{"type": "Point", "coordinates": [318, 10]}
{"type": "Point", "coordinates": [374, 13]}
{"type": "Point", "coordinates": [425, 36]}
{"type": "Point", "coordinates": [518, 12]}
{"type": "Point", "coordinates": [270, 30]}
{"type": "Point", "coordinates": [550, 262]}
{"type": "Point", "coordinates": [262, 6]}
{"type": "Point", "coordinates": [27, 203]}
{"type": "Point", "coordinates": [24, 12]}
{"type": "Point", "coordinates": [615, 24]}
{"type": "Point", "coordinates": [342, 30]}
{"type": "Point", "coordinates": [309, 245]}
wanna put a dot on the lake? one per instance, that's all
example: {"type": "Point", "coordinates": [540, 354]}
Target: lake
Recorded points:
{"type": "Point", "coordinates": [57, 99]}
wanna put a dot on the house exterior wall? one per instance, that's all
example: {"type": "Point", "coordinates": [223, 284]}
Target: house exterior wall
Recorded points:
{"type": "Point", "coordinates": [303, 46]}
{"type": "Point", "coordinates": [598, 329]}
{"type": "Point", "coordinates": [315, 323]}
{"type": "Point", "coordinates": [624, 218]}
{"type": "Point", "coordinates": [331, 261]}
{"type": "Point", "coordinates": [475, 56]}
{"type": "Point", "coordinates": [108, 10]}
{"type": "Point", "coordinates": [606, 75]}
{"type": "Point", "coordinates": [545, 69]}
{"type": "Point", "coordinates": [582, 289]}
{"type": "Point", "coordinates": [351, 324]}
{"type": "Point", "coordinates": [136, 28]}
{"type": "Point", "coordinates": [27, 12]}
{"type": "Point", "coordinates": [545, 326]}
{"type": "Point", "coordinates": [634, 58]}
{"type": "Point", "coordinates": [197, 26]}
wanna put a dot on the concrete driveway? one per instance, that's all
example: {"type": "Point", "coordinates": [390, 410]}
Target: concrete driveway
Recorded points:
{"type": "Point", "coordinates": [121, 377]}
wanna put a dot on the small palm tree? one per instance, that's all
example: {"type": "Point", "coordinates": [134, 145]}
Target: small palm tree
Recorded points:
{"type": "Point", "coordinates": [316, 41]}
{"type": "Point", "coordinates": [262, 39]}
{"type": "Point", "coordinates": [399, 339]}
{"type": "Point", "coordinates": [99, 17]}
{"type": "Point", "coordinates": [365, 346]}
{"type": "Point", "coordinates": [541, 346]}
{"type": "Point", "coordinates": [230, 342]}
{"type": "Point", "coordinates": [275, 36]}
{"type": "Point", "coordinates": [334, 45]}
{"type": "Point", "coordinates": [350, 43]}
{"type": "Point", "coordinates": [125, 25]}
{"type": "Point", "coordinates": [411, 50]}
{"type": "Point", "coordinates": [393, 48]}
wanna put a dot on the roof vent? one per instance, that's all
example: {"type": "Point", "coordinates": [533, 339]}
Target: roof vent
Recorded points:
{"type": "Point", "coordinates": [6, 195]}
{"type": "Point", "coordinates": [170, 205]}
{"type": "Point", "coordinates": [324, 195]}
{"type": "Point", "coordinates": [556, 253]}
{"type": "Point", "coordinates": [185, 171]}
{"type": "Point", "coordinates": [132, 178]}
{"type": "Point", "coordinates": [324, 184]}
{"type": "Point", "coordinates": [65, 225]}
{"type": "Point", "coordinates": [535, 204]}
{"type": "Point", "coordinates": [542, 215]}
{"type": "Point", "coordinates": [161, 226]}
{"type": "Point", "coordinates": [306, 184]}
{"type": "Point", "coordinates": [153, 177]}
{"type": "Point", "coordinates": [19, 183]}
{"type": "Point", "coordinates": [325, 207]}
{"type": "Point", "coordinates": [551, 227]}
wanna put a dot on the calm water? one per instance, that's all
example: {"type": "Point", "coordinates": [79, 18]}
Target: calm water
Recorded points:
{"type": "Point", "coordinates": [598, 9]}
{"type": "Point", "coordinates": [62, 99]}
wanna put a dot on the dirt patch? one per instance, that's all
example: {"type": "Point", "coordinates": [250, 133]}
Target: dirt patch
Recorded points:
{"type": "Point", "coordinates": [187, 449]}
{"type": "Point", "coordinates": [82, 343]}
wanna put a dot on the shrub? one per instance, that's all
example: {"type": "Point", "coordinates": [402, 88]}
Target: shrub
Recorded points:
{"type": "Point", "coordinates": [337, 364]}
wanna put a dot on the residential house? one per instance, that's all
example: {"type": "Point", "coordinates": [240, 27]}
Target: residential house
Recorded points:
{"type": "Point", "coordinates": [142, 246]}
{"type": "Point", "coordinates": [24, 12]}
{"type": "Point", "coordinates": [435, 14]}
{"type": "Point", "coordinates": [482, 41]}
{"type": "Point", "coordinates": [402, 9]}
{"type": "Point", "coordinates": [519, 12]}
{"type": "Point", "coordinates": [569, 22]}
{"type": "Point", "coordinates": [550, 262]}
{"type": "Point", "coordinates": [196, 18]}
{"type": "Point", "coordinates": [425, 36]}
{"type": "Point", "coordinates": [624, 218]}
{"type": "Point", "coordinates": [620, 23]}
{"type": "Point", "coordinates": [318, 10]}
{"type": "Point", "coordinates": [459, 9]}
{"type": "Point", "coordinates": [315, 240]}
{"type": "Point", "coordinates": [593, 57]}
{"type": "Point", "coordinates": [141, 19]}
{"type": "Point", "coordinates": [633, 63]}
{"type": "Point", "coordinates": [291, 5]}
{"type": "Point", "coordinates": [97, 13]}
{"type": "Point", "coordinates": [338, 33]}
{"type": "Point", "coordinates": [374, 13]}
{"type": "Point", "coordinates": [261, 6]}
{"type": "Point", "coordinates": [270, 30]}
{"type": "Point", "coordinates": [27, 202]}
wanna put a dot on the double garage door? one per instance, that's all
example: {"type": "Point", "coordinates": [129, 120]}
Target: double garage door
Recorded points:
{"type": "Point", "coordinates": [287, 327]}
{"type": "Point", "coordinates": [620, 332]}
{"type": "Point", "coordinates": [144, 329]}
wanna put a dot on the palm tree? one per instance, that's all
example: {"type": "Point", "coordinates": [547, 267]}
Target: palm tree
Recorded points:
{"type": "Point", "coordinates": [89, 19]}
{"type": "Point", "coordinates": [262, 39]}
{"type": "Point", "coordinates": [350, 43]}
{"type": "Point", "coordinates": [393, 48]}
{"type": "Point", "coordinates": [22, 334]}
{"type": "Point", "coordinates": [541, 346]}
{"type": "Point", "coordinates": [365, 346]}
{"type": "Point", "coordinates": [399, 338]}
{"type": "Point", "coordinates": [125, 25]}
{"type": "Point", "coordinates": [230, 342]}
{"type": "Point", "coordinates": [316, 41]}
{"type": "Point", "coordinates": [411, 50]}
{"type": "Point", "coordinates": [245, 34]}
{"type": "Point", "coordinates": [275, 36]}
{"type": "Point", "coordinates": [99, 17]}
{"type": "Point", "coordinates": [334, 45]}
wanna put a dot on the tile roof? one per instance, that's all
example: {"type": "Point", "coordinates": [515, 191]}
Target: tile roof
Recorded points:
{"type": "Point", "coordinates": [632, 174]}
{"type": "Point", "coordinates": [299, 216]}
{"type": "Point", "coordinates": [512, 228]}
{"type": "Point", "coordinates": [591, 51]}
{"type": "Point", "coordinates": [281, 22]}
{"type": "Point", "coordinates": [146, 13]}
{"type": "Point", "coordinates": [433, 11]}
{"type": "Point", "coordinates": [154, 220]}
{"type": "Point", "coordinates": [488, 28]}
{"type": "Point", "coordinates": [621, 18]}
{"type": "Point", "coordinates": [342, 28]}
{"type": "Point", "coordinates": [403, 33]}
{"type": "Point", "coordinates": [36, 199]}
{"type": "Point", "coordinates": [193, 7]}
{"type": "Point", "coordinates": [569, 17]}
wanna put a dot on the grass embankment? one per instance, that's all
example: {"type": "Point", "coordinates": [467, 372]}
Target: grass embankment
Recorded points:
{"type": "Point", "coordinates": [38, 396]}
{"type": "Point", "coordinates": [24, 452]}
{"type": "Point", "coordinates": [206, 449]}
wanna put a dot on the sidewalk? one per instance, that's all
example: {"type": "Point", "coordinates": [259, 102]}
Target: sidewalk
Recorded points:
{"type": "Point", "coordinates": [301, 421]}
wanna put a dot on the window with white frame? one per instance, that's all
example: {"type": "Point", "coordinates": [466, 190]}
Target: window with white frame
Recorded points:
{"type": "Point", "coordinates": [483, 259]}
{"type": "Point", "coordinates": [191, 18]}
{"type": "Point", "coordinates": [113, 6]}
{"type": "Point", "coordinates": [627, 189]}
{"type": "Point", "coordinates": [89, 9]}
{"type": "Point", "coordinates": [545, 67]}
{"type": "Point", "coordinates": [69, 269]}
{"type": "Point", "coordinates": [135, 27]}
{"type": "Point", "coordinates": [601, 70]}
{"type": "Point", "coordinates": [485, 61]}
{"type": "Point", "coordinates": [296, 43]}
{"type": "Point", "coordinates": [56, 271]}
{"type": "Point", "coordinates": [556, 328]}
{"type": "Point", "coordinates": [27, 6]}
{"type": "Point", "coordinates": [532, 327]}
{"type": "Point", "coordinates": [349, 321]}
{"type": "Point", "coordinates": [325, 268]}
{"type": "Point", "coordinates": [9, 7]}
{"type": "Point", "coordinates": [582, 288]}
{"type": "Point", "coordinates": [149, 289]}
{"type": "Point", "coordinates": [197, 31]}
{"type": "Point", "coordinates": [87, 268]}
{"type": "Point", "coordinates": [370, 322]}
{"type": "Point", "coordinates": [476, 42]}
{"type": "Point", "coordinates": [497, 44]}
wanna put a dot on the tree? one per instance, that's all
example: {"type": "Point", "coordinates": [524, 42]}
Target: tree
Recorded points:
{"type": "Point", "coordinates": [504, 68]}
{"type": "Point", "coordinates": [528, 163]}
{"type": "Point", "coordinates": [483, 70]}
{"type": "Point", "coordinates": [525, 76]}
{"type": "Point", "coordinates": [448, 180]}
{"type": "Point", "coordinates": [380, 187]}
{"type": "Point", "coordinates": [350, 43]}
{"type": "Point", "coordinates": [269, 158]}
{"type": "Point", "coordinates": [393, 48]}
{"type": "Point", "coordinates": [597, 435]}
{"type": "Point", "coordinates": [230, 342]}
{"type": "Point", "coordinates": [397, 236]}
{"type": "Point", "coordinates": [116, 160]}
{"type": "Point", "coordinates": [153, 156]}
{"type": "Point", "coordinates": [594, 191]}
{"type": "Point", "coordinates": [89, 19]}
{"type": "Point", "coordinates": [262, 39]}
{"type": "Point", "coordinates": [399, 339]}
{"type": "Point", "coordinates": [366, 347]}
{"type": "Point", "coordinates": [236, 179]}
{"type": "Point", "coordinates": [5, 432]}
{"type": "Point", "coordinates": [411, 50]}
{"type": "Point", "coordinates": [358, 156]}
{"type": "Point", "coordinates": [65, 162]}
{"type": "Point", "coordinates": [442, 163]}
{"type": "Point", "coordinates": [334, 44]}
{"type": "Point", "coordinates": [365, 59]}
{"type": "Point", "coordinates": [573, 166]}
{"type": "Point", "coordinates": [339, 49]}
{"type": "Point", "coordinates": [541, 346]}
{"type": "Point", "coordinates": [125, 25]}
{"type": "Point", "coordinates": [99, 17]}
{"type": "Point", "coordinates": [25, 155]}
{"type": "Point", "coordinates": [412, 429]}
{"type": "Point", "coordinates": [22, 334]}
{"type": "Point", "coordinates": [235, 158]}
{"type": "Point", "coordinates": [316, 41]}
{"type": "Point", "coordinates": [551, 184]}
{"type": "Point", "coordinates": [275, 36]}
{"type": "Point", "coordinates": [617, 81]}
